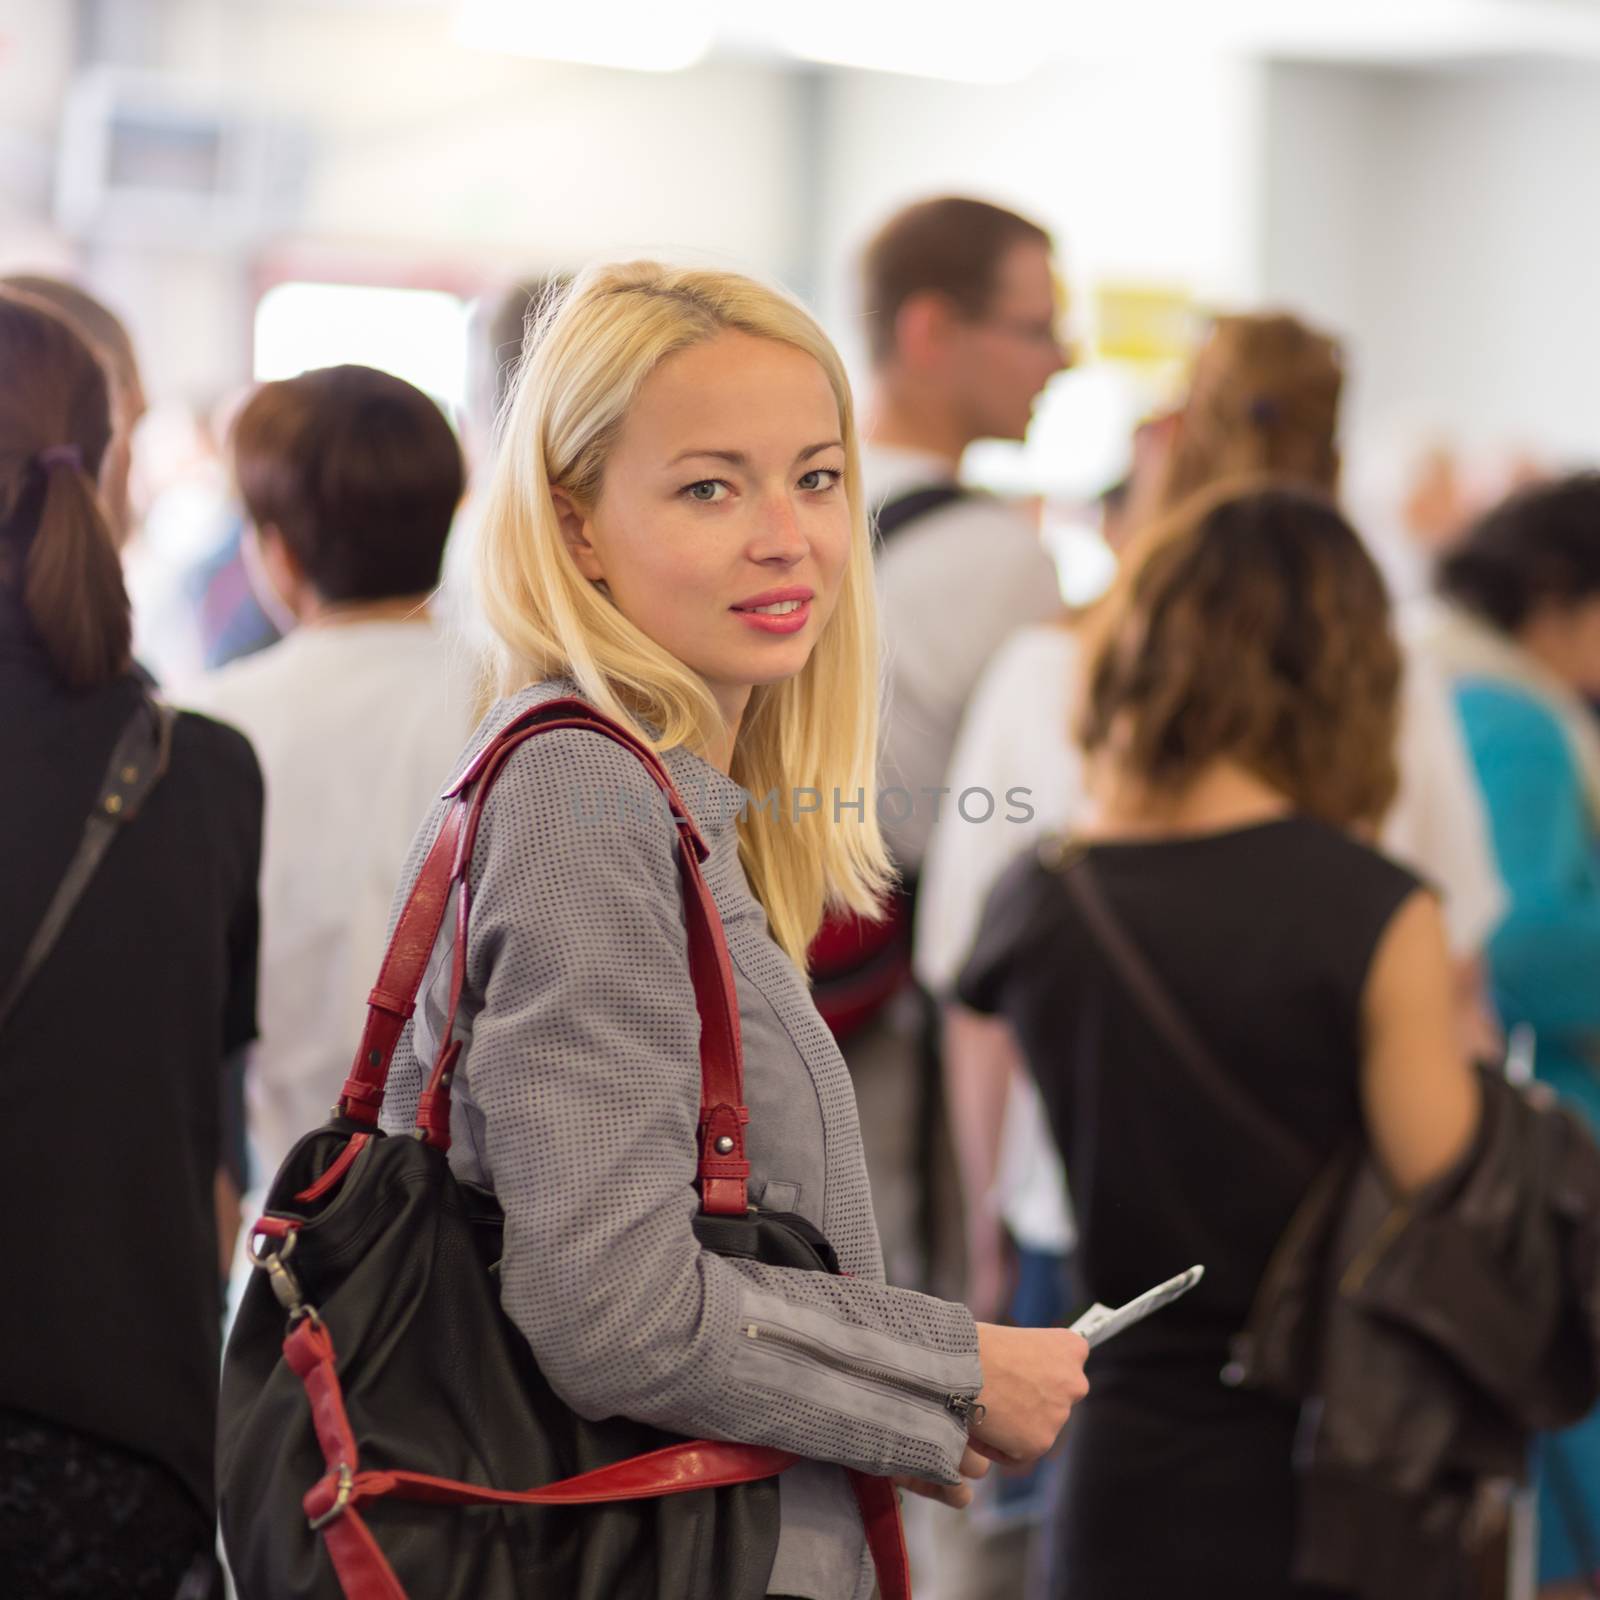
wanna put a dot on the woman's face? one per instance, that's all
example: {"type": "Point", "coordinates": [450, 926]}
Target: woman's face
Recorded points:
{"type": "Point", "coordinates": [1565, 636]}
{"type": "Point", "coordinates": [721, 528]}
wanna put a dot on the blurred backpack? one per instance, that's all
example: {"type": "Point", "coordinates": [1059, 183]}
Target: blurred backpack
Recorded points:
{"type": "Point", "coordinates": [858, 966]}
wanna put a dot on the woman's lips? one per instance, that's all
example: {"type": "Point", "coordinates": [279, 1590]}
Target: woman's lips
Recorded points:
{"type": "Point", "coordinates": [786, 621]}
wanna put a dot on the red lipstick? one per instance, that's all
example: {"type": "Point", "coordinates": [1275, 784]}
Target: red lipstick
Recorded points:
{"type": "Point", "coordinates": [790, 610]}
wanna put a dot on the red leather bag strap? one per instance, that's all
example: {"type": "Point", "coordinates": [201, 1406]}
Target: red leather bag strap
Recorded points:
{"type": "Point", "coordinates": [879, 1505]}
{"type": "Point", "coordinates": [333, 1503]}
{"type": "Point", "coordinates": [723, 1166]}
{"type": "Point", "coordinates": [393, 996]}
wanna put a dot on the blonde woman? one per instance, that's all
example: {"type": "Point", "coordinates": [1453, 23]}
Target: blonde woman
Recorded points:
{"type": "Point", "coordinates": [675, 532]}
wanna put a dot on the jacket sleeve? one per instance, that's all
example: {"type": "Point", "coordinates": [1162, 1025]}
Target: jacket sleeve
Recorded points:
{"type": "Point", "coordinates": [584, 1065]}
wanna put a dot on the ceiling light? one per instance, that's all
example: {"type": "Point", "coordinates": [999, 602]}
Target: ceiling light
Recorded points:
{"type": "Point", "coordinates": [938, 39]}
{"type": "Point", "coordinates": [634, 35]}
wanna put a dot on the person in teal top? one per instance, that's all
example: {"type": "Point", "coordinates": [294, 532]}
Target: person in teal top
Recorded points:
{"type": "Point", "coordinates": [1545, 956]}
{"type": "Point", "coordinates": [1519, 637]}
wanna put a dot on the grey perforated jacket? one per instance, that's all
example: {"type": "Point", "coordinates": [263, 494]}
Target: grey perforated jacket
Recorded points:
{"type": "Point", "coordinates": [577, 1104]}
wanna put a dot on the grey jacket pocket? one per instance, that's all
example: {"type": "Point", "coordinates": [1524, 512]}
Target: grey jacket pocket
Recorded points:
{"type": "Point", "coordinates": [779, 1196]}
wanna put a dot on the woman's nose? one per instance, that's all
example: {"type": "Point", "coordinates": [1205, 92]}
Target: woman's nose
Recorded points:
{"type": "Point", "coordinates": [778, 534]}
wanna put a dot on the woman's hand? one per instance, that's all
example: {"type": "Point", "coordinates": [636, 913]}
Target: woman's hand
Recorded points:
{"type": "Point", "coordinates": [956, 1495]}
{"type": "Point", "coordinates": [1032, 1378]}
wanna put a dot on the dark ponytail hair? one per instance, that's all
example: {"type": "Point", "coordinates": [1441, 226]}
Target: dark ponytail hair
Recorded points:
{"type": "Point", "coordinates": [57, 554]}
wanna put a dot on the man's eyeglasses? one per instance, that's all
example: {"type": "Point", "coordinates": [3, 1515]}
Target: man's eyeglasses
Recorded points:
{"type": "Point", "coordinates": [1032, 332]}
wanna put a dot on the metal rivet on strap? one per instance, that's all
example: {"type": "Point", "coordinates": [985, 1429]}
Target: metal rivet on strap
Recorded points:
{"type": "Point", "coordinates": [130, 774]}
{"type": "Point", "coordinates": [113, 803]}
{"type": "Point", "coordinates": [724, 1145]}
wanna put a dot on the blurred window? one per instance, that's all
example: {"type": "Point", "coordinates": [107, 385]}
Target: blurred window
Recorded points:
{"type": "Point", "coordinates": [417, 334]}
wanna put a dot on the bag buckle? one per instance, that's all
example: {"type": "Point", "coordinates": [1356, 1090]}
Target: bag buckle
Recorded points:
{"type": "Point", "coordinates": [285, 1286]}
{"type": "Point", "coordinates": [341, 1499]}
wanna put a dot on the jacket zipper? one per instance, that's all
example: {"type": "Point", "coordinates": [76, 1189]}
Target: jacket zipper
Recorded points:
{"type": "Point", "coordinates": [1307, 1217]}
{"type": "Point", "coordinates": [964, 1407]}
{"type": "Point", "coordinates": [1357, 1273]}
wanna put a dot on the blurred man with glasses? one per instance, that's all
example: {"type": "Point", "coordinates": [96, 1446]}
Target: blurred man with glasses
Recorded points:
{"type": "Point", "coordinates": [961, 309]}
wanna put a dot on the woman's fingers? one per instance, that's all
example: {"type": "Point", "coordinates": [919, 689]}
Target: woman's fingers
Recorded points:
{"type": "Point", "coordinates": [958, 1496]}
{"type": "Point", "coordinates": [974, 1465]}
{"type": "Point", "coordinates": [990, 1453]}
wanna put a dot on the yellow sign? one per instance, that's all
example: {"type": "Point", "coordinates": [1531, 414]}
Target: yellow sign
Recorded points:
{"type": "Point", "coordinates": [1147, 324]}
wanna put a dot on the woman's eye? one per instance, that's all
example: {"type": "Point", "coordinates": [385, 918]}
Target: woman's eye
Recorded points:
{"type": "Point", "coordinates": [708, 490]}
{"type": "Point", "coordinates": [821, 478]}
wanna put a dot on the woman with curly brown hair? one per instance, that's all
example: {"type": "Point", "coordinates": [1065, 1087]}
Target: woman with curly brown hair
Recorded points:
{"type": "Point", "coordinates": [1238, 716]}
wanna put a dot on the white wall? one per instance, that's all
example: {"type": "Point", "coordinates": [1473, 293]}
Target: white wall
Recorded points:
{"type": "Point", "coordinates": [1142, 169]}
{"type": "Point", "coordinates": [1501, 229]}
{"type": "Point", "coordinates": [422, 139]}
{"type": "Point", "coordinates": [1449, 223]}
{"type": "Point", "coordinates": [35, 62]}
{"type": "Point", "coordinates": [1446, 221]}
{"type": "Point", "coordinates": [434, 162]}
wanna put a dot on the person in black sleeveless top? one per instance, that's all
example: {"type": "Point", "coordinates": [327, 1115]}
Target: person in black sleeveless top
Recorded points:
{"type": "Point", "coordinates": [111, 1055]}
{"type": "Point", "coordinates": [1239, 721]}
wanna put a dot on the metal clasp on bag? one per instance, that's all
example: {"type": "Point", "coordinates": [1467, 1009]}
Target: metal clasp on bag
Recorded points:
{"type": "Point", "coordinates": [340, 1500]}
{"type": "Point", "coordinates": [285, 1286]}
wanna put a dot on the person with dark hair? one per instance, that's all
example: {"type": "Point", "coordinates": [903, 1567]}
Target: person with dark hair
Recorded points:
{"type": "Point", "coordinates": [1264, 398]}
{"type": "Point", "coordinates": [127, 977]}
{"type": "Point", "coordinates": [961, 308]}
{"type": "Point", "coordinates": [1238, 727]}
{"type": "Point", "coordinates": [186, 611]}
{"type": "Point", "coordinates": [497, 328]}
{"type": "Point", "coordinates": [963, 317]}
{"type": "Point", "coordinates": [105, 333]}
{"type": "Point", "coordinates": [496, 332]}
{"type": "Point", "coordinates": [350, 478]}
{"type": "Point", "coordinates": [1520, 639]}
{"type": "Point", "coordinates": [962, 313]}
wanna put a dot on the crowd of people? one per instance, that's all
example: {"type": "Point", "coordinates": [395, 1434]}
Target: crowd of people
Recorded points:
{"type": "Point", "coordinates": [1220, 923]}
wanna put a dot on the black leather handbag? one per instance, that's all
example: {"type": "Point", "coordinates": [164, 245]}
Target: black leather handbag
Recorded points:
{"type": "Point", "coordinates": [382, 1443]}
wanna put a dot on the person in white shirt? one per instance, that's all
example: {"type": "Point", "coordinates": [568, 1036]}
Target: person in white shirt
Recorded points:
{"type": "Point", "coordinates": [350, 477]}
{"type": "Point", "coordinates": [962, 313]}
{"type": "Point", "coordinates": [1264, 399]}
{"type": "Point", "coordinates": [960, 304]}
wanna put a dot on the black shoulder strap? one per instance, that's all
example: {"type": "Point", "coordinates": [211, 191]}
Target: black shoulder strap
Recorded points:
{"type": "Point", "coordinates": [899, 509]}
{"type": "Point", "coordinates": [1163, 1012]}
{"type": "Point", "coordinates": [137, 763]}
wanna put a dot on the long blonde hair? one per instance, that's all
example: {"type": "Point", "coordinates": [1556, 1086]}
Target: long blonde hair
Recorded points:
{"type": "Point", "coordinates": [588, 352]}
